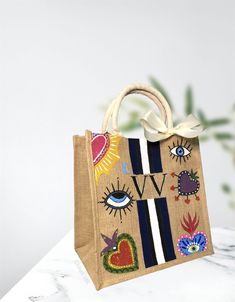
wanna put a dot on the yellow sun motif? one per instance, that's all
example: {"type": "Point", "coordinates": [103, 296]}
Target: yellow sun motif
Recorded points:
{"type": "Point", "coordinates": [105, 153]}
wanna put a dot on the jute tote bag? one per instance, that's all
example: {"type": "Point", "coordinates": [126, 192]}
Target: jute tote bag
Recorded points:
{"type": "Point", "coordinates": [140, 204]}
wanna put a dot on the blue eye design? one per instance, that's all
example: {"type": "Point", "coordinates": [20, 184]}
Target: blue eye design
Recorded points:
{"type": "Point", "coordinates": [117, 200]}
{"type": "Point", "coordinates": [181, 150]}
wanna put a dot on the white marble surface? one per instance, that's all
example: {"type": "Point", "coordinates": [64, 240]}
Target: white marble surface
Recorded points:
{"type": "Point", "coordinates": [61, 277]}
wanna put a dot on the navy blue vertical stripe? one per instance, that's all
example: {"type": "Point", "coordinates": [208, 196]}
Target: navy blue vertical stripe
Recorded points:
{"type": "Point", "coordinates": [154, 155]}
{"type": "Point", "coordinates": [155, 164]}
{"type": "Point", "coordinates": [142, 208]}
{"type": "Point", "coordinates": [135, 155]}
{"type": "Point", "coordinates": [146, 234]}
{"type": "Point", "coordinates": [165, 228]}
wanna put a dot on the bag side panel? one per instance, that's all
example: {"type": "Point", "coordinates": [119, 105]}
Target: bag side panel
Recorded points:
{"type": "Point", "coordinates": [83, 214]}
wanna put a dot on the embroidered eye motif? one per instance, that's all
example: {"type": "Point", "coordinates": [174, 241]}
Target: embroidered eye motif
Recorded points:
{"type": "Point", "coordinates": [180, 150]}
{"type": "Point", "coordinates": [117, 199]}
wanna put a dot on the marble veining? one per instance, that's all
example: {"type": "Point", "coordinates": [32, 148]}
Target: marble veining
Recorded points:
{"type": "Point", "coordinates": [224, 249]}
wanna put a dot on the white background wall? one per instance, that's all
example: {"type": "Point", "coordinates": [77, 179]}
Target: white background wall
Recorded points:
{"type": "Point", "coordinates": [60, 60]}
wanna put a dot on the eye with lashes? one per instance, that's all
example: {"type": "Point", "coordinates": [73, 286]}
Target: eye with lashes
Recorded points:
{"type": "Point", "coordinates": [117, 199]}
{"type": "Point", "coordinates": [181, 150]}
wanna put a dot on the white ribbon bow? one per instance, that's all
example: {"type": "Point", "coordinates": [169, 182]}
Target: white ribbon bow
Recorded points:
{"type": "Point", "coordinates": [155, 129]}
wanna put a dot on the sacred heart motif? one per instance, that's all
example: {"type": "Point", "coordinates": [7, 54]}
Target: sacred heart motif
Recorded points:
{"type": "Point", "coordinates": [99, 145]}
{"type": "Point", "coordinates": [188, 245]}
{"type": "Point", "coordinates": [188, 184]}
{"type": "Point", "coordinates": [194, 242]}
{"type": "Point", "coordinates": [120, 254]}
{"type": "Point", "coordinates": [104, 148]}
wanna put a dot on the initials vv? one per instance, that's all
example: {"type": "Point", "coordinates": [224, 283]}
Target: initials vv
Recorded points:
{"type": "Point", "coordinates": [141, 187]}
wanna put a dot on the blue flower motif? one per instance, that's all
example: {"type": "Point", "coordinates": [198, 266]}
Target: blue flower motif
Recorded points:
{"type": "Point", "coordinates": [190, 245]}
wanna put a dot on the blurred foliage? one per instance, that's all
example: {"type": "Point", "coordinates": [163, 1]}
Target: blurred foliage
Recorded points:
{"type": "Point", "coordinates": [189, 103]}
{"type": "Point", "coordinates": [221, 129]}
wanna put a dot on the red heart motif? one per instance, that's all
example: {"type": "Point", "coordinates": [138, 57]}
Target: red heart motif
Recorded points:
{"type": "Point", "coordinates": [99, 146]}
{"type": "Point", "coordinates": [123, 257]}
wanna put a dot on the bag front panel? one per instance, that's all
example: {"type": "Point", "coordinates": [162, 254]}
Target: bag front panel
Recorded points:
{"type": "Point", "coordinates": [151, 204]}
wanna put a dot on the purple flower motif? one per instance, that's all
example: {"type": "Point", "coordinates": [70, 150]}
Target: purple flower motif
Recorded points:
{"type": "Point", "coordinates": [111, 242]}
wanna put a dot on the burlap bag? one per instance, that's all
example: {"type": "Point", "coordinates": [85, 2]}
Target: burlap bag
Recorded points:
{"type": "Point", "coordinates": [140, 204]}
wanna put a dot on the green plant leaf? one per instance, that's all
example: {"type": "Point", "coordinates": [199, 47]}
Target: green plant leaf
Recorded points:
{"type": "Point", "coordinates": [129, 126]}
{"type": "Point", "coordinates": [189, 103]}
{"type": "Point", "coordinates": [202, 117]}
{"type": "Point", "coordinates": [232, 204]}
{"type": "Point", "coordinates": [218, 122]}
{"type": "Point", "coordinates": [156, 84]}
{"type": "Point", "coordinates": [204, 138]}
{"type": "Point", "coordinates": [141, 103]}
{"type": "Point", "coordinates": [226, 188]}
{"type": "Point", "coordinates": [132, 123]}
{"type": "Point", "coordinates": [227, 147]}
{"type": "Point", "coordinates": [220, 136]}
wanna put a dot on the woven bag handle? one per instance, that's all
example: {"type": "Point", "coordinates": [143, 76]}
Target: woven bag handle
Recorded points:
{"type": "Point", "coordinates": [146, 90]}
{"type": "Point", "coordinates": [109, 111]}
